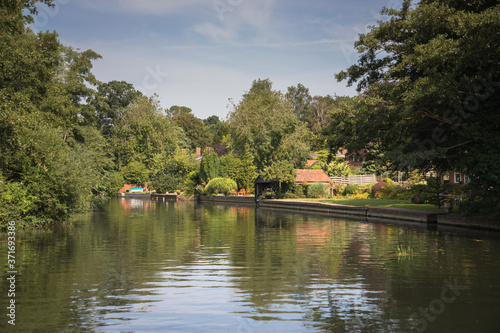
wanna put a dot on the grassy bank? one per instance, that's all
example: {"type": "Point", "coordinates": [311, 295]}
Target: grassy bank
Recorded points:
{"type": "Point", "coordinates": [405, 204]}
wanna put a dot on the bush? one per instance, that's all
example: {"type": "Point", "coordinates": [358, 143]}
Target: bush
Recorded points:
{"type": "Point", "coordinates": [437, 193]}
{"type": "Point", "coordinates": [290, 195]}
{"type": "Point", "coordinates": [220, 186]}
{"type": "Point", "coordinates": [15, 203]}
{"type": "Point", "coordinates": [299, 192]}
{"type": "Point", "coordinates": [360, 196]}
{"type": "Point", "coordinates": [387, 180]}
{"type": "Point", "coordinates": [350, 190]}
{"type": "Point", "coordinates": [317, 190]}
{"type": "Point", "coordinates": [338, 189]}
{"type": "Point", "coordinates": [377, 189]}
{"type": "Point", "coordinates": [164, 183]}
{"type": "Point", "coordinates": [192, 184]}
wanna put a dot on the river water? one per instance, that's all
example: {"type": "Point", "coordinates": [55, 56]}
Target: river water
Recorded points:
{"type": "Point", "coordinates": [154, 266]}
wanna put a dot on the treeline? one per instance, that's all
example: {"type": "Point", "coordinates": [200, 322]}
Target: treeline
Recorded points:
{"type": "Point", "coordinates": [429, 97]}
{"type": "Point", "coordinates": [68, 141]}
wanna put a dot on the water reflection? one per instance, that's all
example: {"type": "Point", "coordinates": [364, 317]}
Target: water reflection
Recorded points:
{"type": "Point", "coordinates": [146, 265]}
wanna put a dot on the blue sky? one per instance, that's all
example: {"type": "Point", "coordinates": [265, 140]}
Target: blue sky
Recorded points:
{"type": "Point", "coordinates": [201, 53]}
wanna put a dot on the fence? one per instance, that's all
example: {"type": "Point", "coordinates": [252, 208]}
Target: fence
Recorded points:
{"type": "Point", "coordinates": [360, 180]}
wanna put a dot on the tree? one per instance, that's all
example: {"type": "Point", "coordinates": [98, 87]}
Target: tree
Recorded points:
{"type": "Point", "coordinates": [243, 171]}
{"type": "Point", "coordinates": [49, 151]}
{"type": "Point", "coordinates": [170, 171]}
{"type": "Point", "coordinates": [209, 167]}
{"type": "Point", "coordinates": [248, 170]}
{"type": "Point", "coordinates": [300, 101]}
{"type": "Point", "coordinates": [430, 78]}
{"type": "Point", "coordinates": [176, 110]}
{"type": "Point", "coordinates": [220, 186]}
{"type": "Point", "coordinates": [142, 132]}
{"type": "Point", "coordinates": [280, 172]}
{"type": "Point", "coordinates": [136, 173]}
{"type": "Point", "coordinates": [320, 109]}
{"type": "Point", "coordinates": [16, 14]}
{"type": "Point", "coordinates": [265, 121]}
{"type": "Point", "coordinates": [196, 131]}
{"type": "Point", "coordinates": [111, 100]}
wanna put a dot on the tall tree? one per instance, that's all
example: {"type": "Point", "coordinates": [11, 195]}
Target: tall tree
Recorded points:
{"type": "Point", "coordinates": [265, 121]}
{"type": "Point", "coordinates": [280, 172]}
{"type": "Point", "coordinates": [142, 132]}
{"type": "Point", "coordinates": [45, 141]}
{"type": "Point", "coordinates": [209, 167]}
{"type": "Point", "coordinates": [177, 110]}
{"type": "Point", "coordinates": [430, 75]}
{"type": "Point", "coordinates": [300, 100]}
{"type": "Point", "coordinates": [111, 100]}
{"type": "Point", "coordinates": [196, 131]}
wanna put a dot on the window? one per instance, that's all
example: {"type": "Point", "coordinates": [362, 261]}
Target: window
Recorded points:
{"type": "Point", "coordinates": [357, 158]}
{"type": "Point", "coordinates": [458, 178]}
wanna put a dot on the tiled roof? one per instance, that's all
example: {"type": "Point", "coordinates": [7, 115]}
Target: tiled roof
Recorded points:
{"type": "Point", "coordinates": [311, 176]}
{"type": "Point", "coordinates": [310, 163]}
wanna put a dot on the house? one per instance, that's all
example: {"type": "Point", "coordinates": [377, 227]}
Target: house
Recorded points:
{"type": "Point", "coordinates": [455, 177]}
{"type": "Point", "coordinates": [311, 176]}
{"type": "Point", "coordinates": [355, 160]}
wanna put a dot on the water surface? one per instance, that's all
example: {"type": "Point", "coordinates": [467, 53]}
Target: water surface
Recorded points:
{"type": "Point", "coordinates": [140, 266]}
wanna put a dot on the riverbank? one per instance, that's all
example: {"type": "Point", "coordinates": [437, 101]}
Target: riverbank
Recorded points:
{"type": "Point", "coordinates": [369, 214]}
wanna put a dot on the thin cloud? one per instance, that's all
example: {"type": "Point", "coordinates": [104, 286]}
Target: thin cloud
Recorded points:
{"type": "Point", "coordinates": [157, 7]}
{"type": "Point", "coordinates": [233, 19]}
{"type": "Point", "coordinates": [216, 33]}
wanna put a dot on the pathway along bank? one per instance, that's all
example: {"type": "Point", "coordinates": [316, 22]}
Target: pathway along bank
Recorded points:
{"type": "Point", "coordinates": [369, 214]}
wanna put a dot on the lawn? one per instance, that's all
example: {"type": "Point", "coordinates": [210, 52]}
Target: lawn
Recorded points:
{"type": "Point", "coordinates": [406, 204]}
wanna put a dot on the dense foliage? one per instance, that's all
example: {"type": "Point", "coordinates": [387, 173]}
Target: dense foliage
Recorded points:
{"type": "Point", "coordinates": [220, 186]}
{"type": "Point", "coordinates": [430, 78]}
{"type": "Point", "coordinates": [429, 86]}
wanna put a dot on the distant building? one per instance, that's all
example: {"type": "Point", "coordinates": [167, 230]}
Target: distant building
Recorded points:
{"type": "Point", "coordinates": [355, 160]}
{"type": "Point", "coordinates": [311, 176]}
{"type": "Point", "coordinates": [311, 163]}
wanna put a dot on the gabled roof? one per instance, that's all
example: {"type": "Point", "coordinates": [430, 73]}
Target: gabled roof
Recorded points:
{"type": "Point", "coordinates": [311, 176]}
{"type": "Point", "coordinates": [310, 163]}
{"type": "Point", "coordinates": [261, 180]}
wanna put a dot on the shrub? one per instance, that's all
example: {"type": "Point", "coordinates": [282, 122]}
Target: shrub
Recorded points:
{"type": "Point", "coordinates": [163, 183]}
{"type": "Point", "coordinates": [437, 193]}
{"type": "Point", "coordinates": [192, 184]}
{"type": "Point", "coordinates": [290, 195]}
{"type": "Point", "coordinates": [15, 203]}
{"type": "Point", "coordinates": [220, 186]}
{"type": "Point", "coordinates": [387, 180]}
{"type": "Point", "coordinates": [338, 189]}
{"type": "Point", "coordinates": [299, 192]}
{"type": "Point", "coordinates": [317, 190]}
{"type": "Point", "coordinates": [377, 189]}
{"type": "Point", "coordinates": [360, 196]}
{"type": "Point", "coordinates": [350, 190]}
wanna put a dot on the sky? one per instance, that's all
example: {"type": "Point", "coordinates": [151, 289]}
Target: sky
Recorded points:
{"type": "Point", "coordinates": [204, 53]}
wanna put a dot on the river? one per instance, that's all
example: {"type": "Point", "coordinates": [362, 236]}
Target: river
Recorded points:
{"type": "Point", "coordinates": [154, 266]}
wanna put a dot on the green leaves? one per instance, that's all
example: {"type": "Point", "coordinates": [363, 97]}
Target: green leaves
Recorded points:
{"type": "Point", "coordinates": [426, 68]}
{"type": "Point", "coordinates": [209, 167]}
{"type": "Point", "coordinates": [264, 120]}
